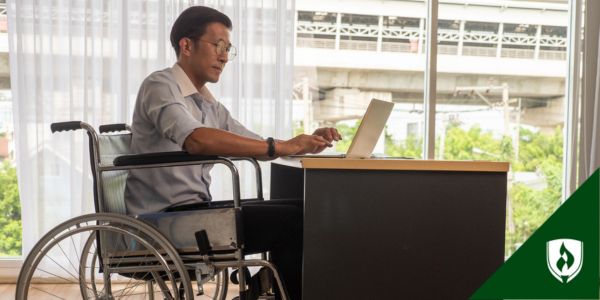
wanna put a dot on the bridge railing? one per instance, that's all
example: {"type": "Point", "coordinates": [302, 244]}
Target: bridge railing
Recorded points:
{"type": "Point", "coordinates": [362, 37]}
{"type": "Point", "coordinates": [411, 47]}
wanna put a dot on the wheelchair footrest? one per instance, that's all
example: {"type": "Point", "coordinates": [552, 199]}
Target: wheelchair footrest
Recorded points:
{"type": "Point", "coordinates": [259, 285]}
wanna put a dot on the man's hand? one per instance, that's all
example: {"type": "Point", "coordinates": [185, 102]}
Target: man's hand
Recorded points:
{"type": "Point", "coordinates": [302, 144]}
{"type": "Point", "coordinates": [328, 133]}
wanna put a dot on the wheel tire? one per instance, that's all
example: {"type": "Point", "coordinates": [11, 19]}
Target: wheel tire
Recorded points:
{"type": "Point", "coordinates": [155, 253]}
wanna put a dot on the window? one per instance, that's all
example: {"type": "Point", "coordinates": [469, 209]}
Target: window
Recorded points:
{"type": "Point", "coordinates": [508, 106]}
{"type": "Point", "coordinates": [10, 208]}
{"type": "Point", "coordinates": [500, 86]}
{"type": "Point", "coordinates": [343, 59]}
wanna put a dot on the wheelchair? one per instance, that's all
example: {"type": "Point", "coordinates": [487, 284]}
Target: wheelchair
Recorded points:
{"type": "Point", "coordinates": [167, 255]}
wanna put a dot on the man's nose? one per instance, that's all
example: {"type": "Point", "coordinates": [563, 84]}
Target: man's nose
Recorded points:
{"type": "Point", "coordinates": [224, 57]}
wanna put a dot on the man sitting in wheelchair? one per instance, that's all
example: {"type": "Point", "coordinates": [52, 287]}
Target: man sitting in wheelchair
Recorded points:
{"type": "Point", "coordinates": [175, 111]}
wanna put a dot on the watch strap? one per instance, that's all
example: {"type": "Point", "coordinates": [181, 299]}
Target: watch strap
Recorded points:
{"type": "Point", "coordinates": [271, 147]}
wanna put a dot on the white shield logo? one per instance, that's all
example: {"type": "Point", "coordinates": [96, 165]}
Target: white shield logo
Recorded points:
{"type": "Point", "coordinates": [564, 258]}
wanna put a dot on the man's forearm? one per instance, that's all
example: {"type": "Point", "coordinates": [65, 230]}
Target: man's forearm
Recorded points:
{"type": "Point", "coordinates": [211, 141]}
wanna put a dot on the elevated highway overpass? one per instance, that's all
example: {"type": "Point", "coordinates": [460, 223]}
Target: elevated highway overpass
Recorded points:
{"type": "Point", "coordinates": [377, 47]}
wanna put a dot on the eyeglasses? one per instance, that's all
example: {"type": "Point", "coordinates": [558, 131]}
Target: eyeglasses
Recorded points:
{"type": "Point", "coordinates": [223, 47]}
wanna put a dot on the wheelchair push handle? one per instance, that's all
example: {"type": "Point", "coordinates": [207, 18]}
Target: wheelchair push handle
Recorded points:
{"type": "Point", "coordinates": [66, 126]}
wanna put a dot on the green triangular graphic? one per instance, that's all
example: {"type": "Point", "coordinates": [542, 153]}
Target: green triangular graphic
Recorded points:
{"type": "Point", "coordinates": [527, 275]}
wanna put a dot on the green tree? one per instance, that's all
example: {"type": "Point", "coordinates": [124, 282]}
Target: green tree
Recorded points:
{"type": "Point", "coordinates": [475, 144]}
{"type": "Point", "coordinates": [347, 132]}
{"type": "Point", "coordinates": [10, 212]}
{"type": "Point", "coordinates": [536, 149]}
{"type": "Point", "coordinates": [541, 153]}
{"type": "Point", "coordinates": [411, 147]}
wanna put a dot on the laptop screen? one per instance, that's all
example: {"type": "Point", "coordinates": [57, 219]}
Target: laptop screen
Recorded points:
{"type": "Point", "coordinates": [367, 134]}
{"type": "Point", "coordinates": [370, 129]}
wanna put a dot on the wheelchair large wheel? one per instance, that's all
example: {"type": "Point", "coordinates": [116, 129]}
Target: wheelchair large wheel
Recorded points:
{"type": "Point", "coordinates": [123, 258]}
{"type": "Point", "coordinates": [214, 288]}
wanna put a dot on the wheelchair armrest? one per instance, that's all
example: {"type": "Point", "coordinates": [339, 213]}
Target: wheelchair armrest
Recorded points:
{"type": "Point", "coordinates": [114, 128]}
{"type": "Point", "coordinates": [184, 157]}
{"type": "Point", "coordinates": [162, 158]}
{"type": "Point", "coordinates": [257, 172]}
{"type": "Point", "coordinates": [174, 159]}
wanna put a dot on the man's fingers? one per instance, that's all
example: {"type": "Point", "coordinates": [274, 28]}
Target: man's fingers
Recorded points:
{"type": "Point", "coordinates": [333, 134]}
{"type": "Point", "coordinates": [338, 136]}
{"type": "Point", "coordinates": [323, 142]}
{"type": "Point", "coordinates": [329, 134]}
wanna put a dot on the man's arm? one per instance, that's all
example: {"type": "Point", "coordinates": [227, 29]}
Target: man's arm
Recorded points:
{"type": "Point", "coordinates": [211, 141]}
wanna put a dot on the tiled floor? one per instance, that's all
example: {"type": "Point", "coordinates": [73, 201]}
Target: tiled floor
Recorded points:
{"type": "Point", "coordinates": [71, 291]}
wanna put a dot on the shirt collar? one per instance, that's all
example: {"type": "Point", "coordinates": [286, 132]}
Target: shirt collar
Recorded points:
{"type": "Point", "coordinates": [186, 86]}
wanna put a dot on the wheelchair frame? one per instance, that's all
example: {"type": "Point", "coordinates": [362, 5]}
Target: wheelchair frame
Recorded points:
{"type": "Point", "coordinates": [204, 260]}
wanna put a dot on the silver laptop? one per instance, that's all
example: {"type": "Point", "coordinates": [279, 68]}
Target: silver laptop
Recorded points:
{"type": "Point", "coordinates": [369, 131]}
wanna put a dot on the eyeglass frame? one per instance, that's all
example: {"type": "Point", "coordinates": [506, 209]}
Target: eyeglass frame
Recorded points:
{"type": "Point", "coordinates": [230, 49]}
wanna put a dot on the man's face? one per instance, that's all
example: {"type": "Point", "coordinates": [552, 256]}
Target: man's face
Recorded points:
{"type": "Point", "coordinates": [205, 64]}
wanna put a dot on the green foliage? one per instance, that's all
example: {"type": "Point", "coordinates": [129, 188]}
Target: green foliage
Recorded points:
{"type": "Point", "coordinates": [536, 149]}
{"type": "Point", "coordinates": [347, 133]}
{"type": "Point", "coordinates": [298, 128]}
{"type": "Point", "coordinates": [10, 212]}
{"type": "Point", "coordinates": [543, 154]}
{"type": "Point", "coordinates": [475, 144]}
{"type": "Point", "coordinates": [411, 147]}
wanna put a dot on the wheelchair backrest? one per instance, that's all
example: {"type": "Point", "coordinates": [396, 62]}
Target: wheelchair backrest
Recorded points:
{"type": "Point", "coordinates": [112, 182]}
{"type": "Point", "coordinates": [114, 140]}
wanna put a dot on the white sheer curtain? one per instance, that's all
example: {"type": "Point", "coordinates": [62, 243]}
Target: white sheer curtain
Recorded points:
{"type": "Point", "coordinates": [84, 60]}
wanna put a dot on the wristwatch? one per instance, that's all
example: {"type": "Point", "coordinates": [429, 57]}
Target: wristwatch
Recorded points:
{"type": "Point", "coordinates": [271, 147]}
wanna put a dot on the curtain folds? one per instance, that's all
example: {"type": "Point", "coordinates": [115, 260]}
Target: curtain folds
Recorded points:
{"type": "Point", "coordinates": [84, 60]}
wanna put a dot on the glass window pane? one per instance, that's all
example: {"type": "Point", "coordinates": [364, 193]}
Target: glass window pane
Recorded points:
{"type": "Point", "coordinates": [10, 207]}
{"type": "Point", "coordinates": [350, 52]}
{"type": "Point", "coordinates": [500, 97]}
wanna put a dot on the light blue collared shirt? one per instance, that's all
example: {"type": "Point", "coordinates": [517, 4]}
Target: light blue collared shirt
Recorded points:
{"type": "Point", "coordinates": [167, 110]}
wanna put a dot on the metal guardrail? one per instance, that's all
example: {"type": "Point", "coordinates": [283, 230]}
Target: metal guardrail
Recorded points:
{"type": "Point", "coordinates": [395, 32]}
{"type": "Point", "coordinates": [370, 37]}
{"type": "Point", "coordinates": [412, 47]}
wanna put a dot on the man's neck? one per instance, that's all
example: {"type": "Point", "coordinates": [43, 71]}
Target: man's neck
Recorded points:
{"type": "Point", "coordinates": [197, 83]}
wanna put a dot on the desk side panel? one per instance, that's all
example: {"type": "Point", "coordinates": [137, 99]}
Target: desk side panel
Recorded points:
{"type": "Point", "coordinates": [401, 234]}
{"type": "Point", "coordinates": [286, 182]}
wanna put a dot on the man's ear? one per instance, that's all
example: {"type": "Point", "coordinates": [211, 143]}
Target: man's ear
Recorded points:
{"type": "Point", "coordinates": [185, 46]}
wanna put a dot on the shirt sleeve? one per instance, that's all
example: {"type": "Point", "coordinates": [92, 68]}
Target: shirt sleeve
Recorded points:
{"type": "Point", "coordinates": [165, 108]}
{"type": "Point", "coordinates": [230, 124]}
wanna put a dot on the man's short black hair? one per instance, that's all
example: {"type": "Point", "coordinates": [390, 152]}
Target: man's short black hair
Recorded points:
{"type": "Point", "coordinates": [192, 23]}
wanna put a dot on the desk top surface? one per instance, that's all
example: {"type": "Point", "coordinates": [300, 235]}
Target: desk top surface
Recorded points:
{"type": "Point", "coordinates": [395, 164]}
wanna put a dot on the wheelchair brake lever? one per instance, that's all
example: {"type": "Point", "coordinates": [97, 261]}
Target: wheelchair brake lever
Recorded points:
{"type": "Point", "coordinates": [202, 241]}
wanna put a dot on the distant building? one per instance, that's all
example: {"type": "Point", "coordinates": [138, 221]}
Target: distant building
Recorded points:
{"type": "Point", "coordinates": [4, 147]}
{"type": "Point", "coordinates": [6, 126]}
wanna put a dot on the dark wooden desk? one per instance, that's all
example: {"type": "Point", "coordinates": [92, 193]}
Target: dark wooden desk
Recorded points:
{"type": "Point", "coordinates": [396, 229]}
